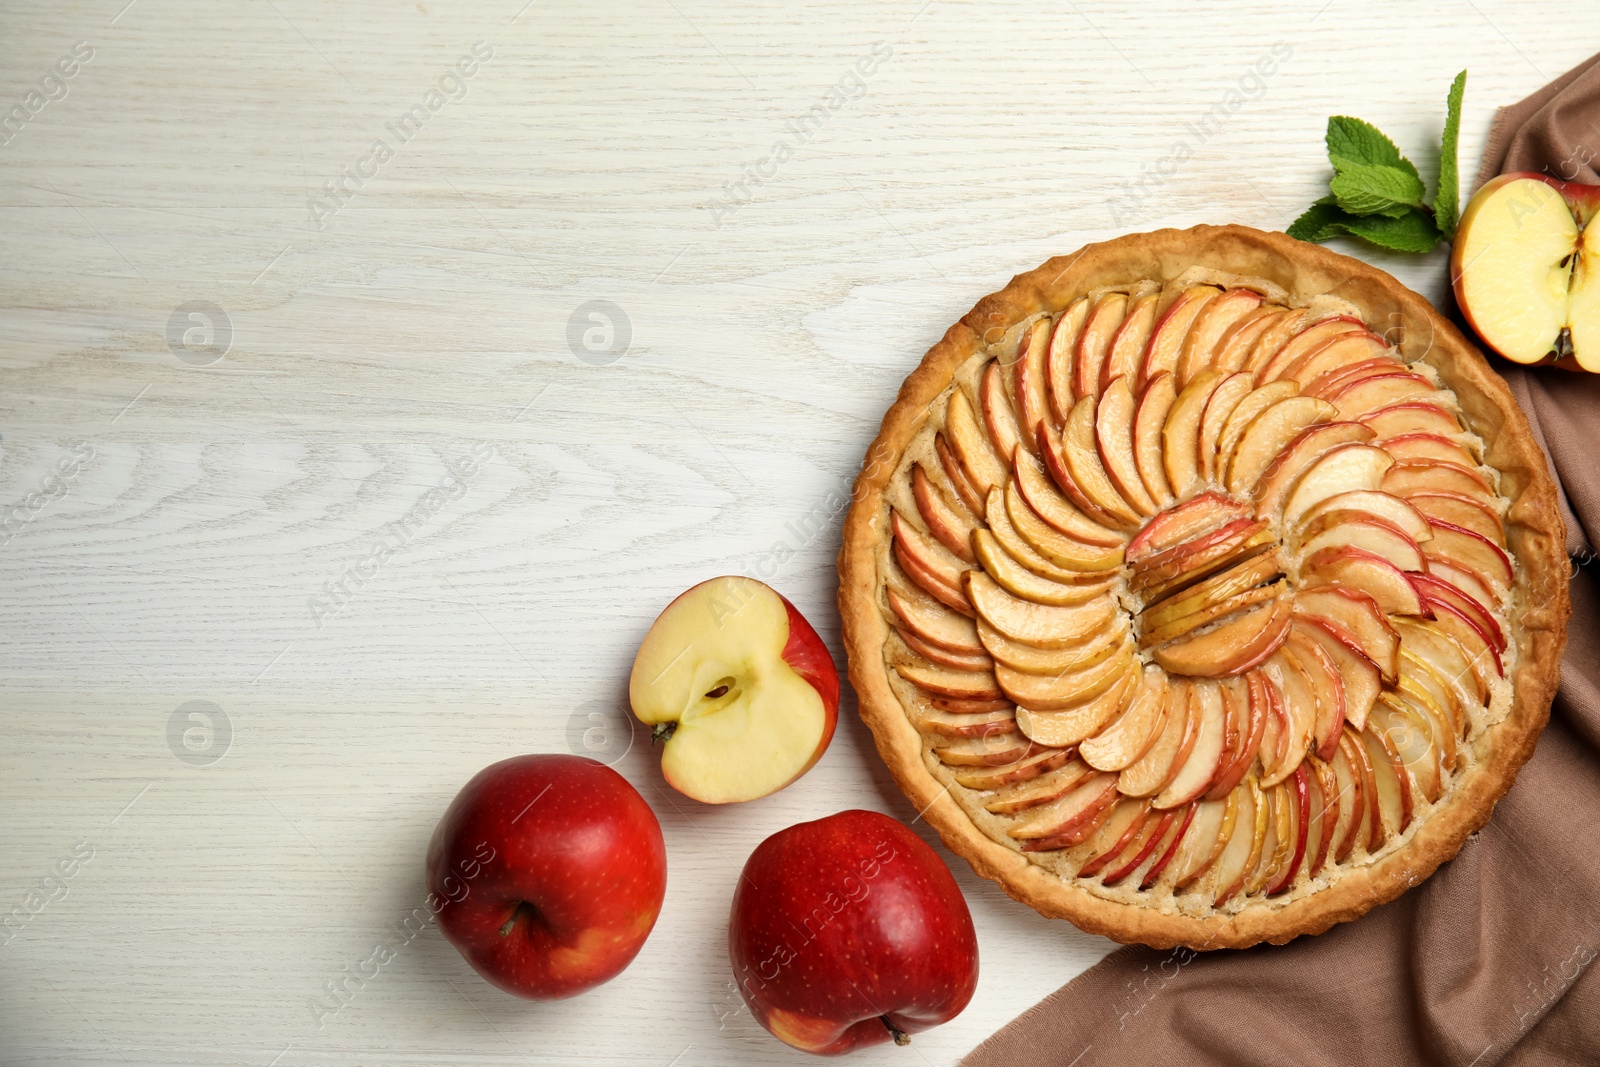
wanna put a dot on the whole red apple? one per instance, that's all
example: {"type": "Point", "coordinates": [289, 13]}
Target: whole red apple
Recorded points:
{"type": "Point", "coordinates": [739, 686]}
{"type": "Point", "coordinates": [849, 931]}
{"type": "Point", "coordinates": [548, 872]}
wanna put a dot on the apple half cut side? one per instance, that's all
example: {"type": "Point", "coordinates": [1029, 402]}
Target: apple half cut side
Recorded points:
{"type": "Point", "coordinates": [739, 686]}
{"type": "Point", "coordinates": [1526, 269]}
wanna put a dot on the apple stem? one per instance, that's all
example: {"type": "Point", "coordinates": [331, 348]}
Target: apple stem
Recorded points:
{"type": "Point", "coordinates": [511, 923]}
{"type": "Point", "coordinates": [662, 731]}
{"type": "Point", "coordinates": [900, 1036]}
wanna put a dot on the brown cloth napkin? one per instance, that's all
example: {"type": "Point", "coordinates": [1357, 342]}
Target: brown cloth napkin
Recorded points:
{"type": "Point", "coordinates": [1492, 960]}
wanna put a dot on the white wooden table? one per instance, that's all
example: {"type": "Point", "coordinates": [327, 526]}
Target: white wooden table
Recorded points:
{"type": "Point", "coordinates": [183, 489]}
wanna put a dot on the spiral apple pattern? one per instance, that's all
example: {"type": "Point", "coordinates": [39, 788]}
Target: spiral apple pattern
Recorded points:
{"type": "Point", "coordinates": [1200, 591]}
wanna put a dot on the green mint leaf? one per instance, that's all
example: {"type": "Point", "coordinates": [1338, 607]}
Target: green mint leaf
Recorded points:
{"type": "Point", "coordinates": [1364, 189]}
{"type": "Point", "coordinates": [1356, 141]}
{"type": "Point", "coordinates": [1320, 222]}
{"type": "Point", "coordinates": [1447, 205]}
{"type": "Point", "coordinates": [1414, 231]}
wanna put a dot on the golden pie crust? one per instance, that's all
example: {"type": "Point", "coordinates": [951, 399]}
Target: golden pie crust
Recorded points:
{"type": "Point", "coordinates": [1497, 740]}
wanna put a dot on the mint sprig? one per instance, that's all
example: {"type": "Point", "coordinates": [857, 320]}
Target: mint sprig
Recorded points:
{"type": "Point", "coordinates": [1376, 193]}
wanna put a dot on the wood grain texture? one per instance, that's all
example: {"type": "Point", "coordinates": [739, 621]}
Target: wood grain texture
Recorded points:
{"type": "Point", "coordinates": [172, 522]}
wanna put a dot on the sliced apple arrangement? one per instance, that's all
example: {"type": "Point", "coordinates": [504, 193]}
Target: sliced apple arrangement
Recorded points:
{"type": "Point", "coordinates": [1197, 593]}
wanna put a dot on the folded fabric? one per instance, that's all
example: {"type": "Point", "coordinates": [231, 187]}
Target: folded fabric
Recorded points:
{"type": "Point", "coordinates": [1491, 961]}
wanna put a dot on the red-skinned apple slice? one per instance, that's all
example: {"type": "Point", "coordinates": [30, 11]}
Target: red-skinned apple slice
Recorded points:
{"type": "Point", "coordinates": [926, 553]}
{"type": "Point", "coordinates": [1326, 686]}
{"type": "Point", "coordinates": [1436, 589]}
{"type": "Point", "coordinates": [995, 750]}
{"type": "Point", "coordinates": [1345, 469]}
{"type": "Point", "coordinates": [970, 442]}
{"type": "Point", "coordinates": [1094, 343]}
{"type": "Point", "coordinates": [1279, 846]}
{"type": "Point", "coordinates": [1059, 358]}
{"type": "Point", "coordinates": [956, 476]}
{"type": "Point", "coordinates": [1411, 736]}
{"type": "Point", "coordinates": [1060, 817]}
{"type": "Point", "coordinates": [1033, 482]}
{"type": "Point", "coordinates": [987, 724]}
{"type": "Point", "coordinates": [1445, 655]}
{"type": "Point", "coordinates": [741, 687]}
{"type": "Point", "coordinates": [1033, 792]}
{"type": "Point", "coordinates": [1343, 352]}
{"type": "Point", "coordinates": [1360, 676]}
{"type": "Point", "coordinates": [1114, 438]}
{"type": "Point", "coordinates": [1415, 689]}
{"type": "Point", "coordinates": [1028, 382]}
{"type": "Point", "coordinates": [958, 685]}
{"type": "Point", "coordinates": [1450, 619]}
{"type": "Point", "coordinates": [1264, 440]}
{"type": "Point", "coordinates": [1332, 382]}
{"type": "Point", "coordinates": [1252, 704]}
{"type": "Point", "coordinates": [1070, 726]}
{"type": "Point", "coordinates": [1298, 702]}
{"type": "Point", "coordinates": [1180, 437]}
{"type": "Point", "coordinates": [1224, 586]}
{"type": "Point", "coordinates": [1225, 399]}
{"type": "Point", "coordinates": [1391, 509]}
{"type": "Point", "coordinates": [1029, 659]}
{"type": "Point", "coordinates": [1301, 821]}
{"type": "Point", "coordinates": [1051, 450]}
{"type": "Point", "coordinates": [1356, 568]}
{"type": "Point", "coordinates": [1234, 347]}
{"type": "Point", "coordinates": [1156, 575]}
{"type": "Point", "coordinates": [1213, 824]}
{"type": "Point", "coordinates": [1127, 348]}
{"type": "Point", "coordinates": [1370, 831]}
{"type": "Point", "coordinates": [1324, 812]}
{"type": "Point", "coordinates": [1272, 340]}
{"type": "Point", "coordinates": [948, 526]}
{"type": "Point", "coordinates": [1254, 403]}
{"type": "Point", "coordinates": [1032, 766]}
{"type": "Point", "coordinates": [1357, 614]}
{"type": "Point", "coordinates": [1412, 416]}
{"type": "Point", "coordinates": [1130, 736]}
{"type": "Point", "coordinates": [1352, 799]}
{"type": "Point", "coordinates": [1302, 453]}
{"type": "Point", "coordinates": [934, 624]}
{"type": "Point", "coordinates": [1169, 848]}
{"type": "Point", "coordinates": [1066, 553]}
{"type": "Point", "coordinates": [1448, 694]}
{"type": "Point", "coordinates": [1147, 775]}
{"type": "Point", "coordinates": [1191, 519]}
{"type": "Point", "coordinates": [1208, 328]}
{"type": "Point", "coordinates": [1195, 615]}
{"type": "Point", "coordinates": [998, 418]}
{"type": "Point", "coordinates": [928, 581]}
{"type": "Point", "coordinates": [1205, 756]}
{"type": "Point", "coordinates": [1233, 646]}
{"type": "Point", "coordinates": [1023, 581]}
{"type": "Point", "coordinates": [1473, 551]}
{"type": "Point", "coordinates": [1141, 848]}
{"type": "Point", "coordinates": [1082, 458]}
{"type": "Point", "coordinates": [1393, 786]}
{"type": "Point", "coordinates": [1374, 537]}
{"type": "Point", "coordinates": [1079, 831]}
{"type": "Point", "coordinates": [1463, 511]}
{"type": "Point", "coordinates": [1166, 341]}
{"type": "Point", "coordinates": [1428, 446]}
{"type": "Point", "coordinates": [969, 707]}
{"type": "Point", "coordinates": [1149, 419]}
{"type": "Point", "coordinates": [1042, 625]}
{"type": "Point", "coordinates": [1309, 339]}
{"type": "Point", "coordinates": [1039, 692]}
{"type": "Point", "coordinates": [1410, 477]}
{"type": "Point", "coordinates": [959, 661]}
{"type": "Point", "coordinates": [1115, 835]}
{"type": "Point", "coordinates": [1367, 395]}
{"type": "Point", "coordinates": [1241, 855]}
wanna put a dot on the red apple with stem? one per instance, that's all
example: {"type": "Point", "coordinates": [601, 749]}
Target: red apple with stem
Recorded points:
{"type": "Point", "coordinates": [739, 687]}
{"type": "Point", "coordinates": [850, 931]}
{"type": "Point", "coordinates": [550, 871]}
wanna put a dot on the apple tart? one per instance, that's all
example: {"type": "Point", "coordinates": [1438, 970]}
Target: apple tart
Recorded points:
{"type": "Point", "coordinates": [1204, 587]}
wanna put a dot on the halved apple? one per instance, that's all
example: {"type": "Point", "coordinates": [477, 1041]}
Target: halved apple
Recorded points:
{"type": "Point", "coordinates": [1343, 469]}
{"type": "Point", "coordinates": [1208, 328]}
{"type": "Point", "coordinates": [1059, 357]}
{"type": "Point", "coordinates": [1094, 343]}
{"type": "Point", "coordinates": [1264, 440]}
{"type": "Point", "coordinates": [1166, 341]}
{"type": "Point", "coordinates": [739, 686]}
{"type": "Point", "coordinates": [1130, 736]}
{"type": "Point", "coordinates": [1149, 420]}
{"type": "Point", "coordinates": [1357, 614]}
{"type": "Point", "coordinates": [1043, 625]}
{"type": "Point", "coordinates": [1355, 567]}
{"type": "Point", "coordinates": [1114, 437]}
{"type": "Point", "coordinates": [1231, 646]}
{"type": "Point", "coordinates": [1180, 437]}
{"type": "Point", "coordinates": [1033, 482]}
{"type": "Point", "coordinates": [1028, 382]}
{"type": "Point", "coordinates": [1193, 518]}
{"type": "Point", "coordinates": [1127, 348]}
{"type": "Point", "coordinates": [950, 527]}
